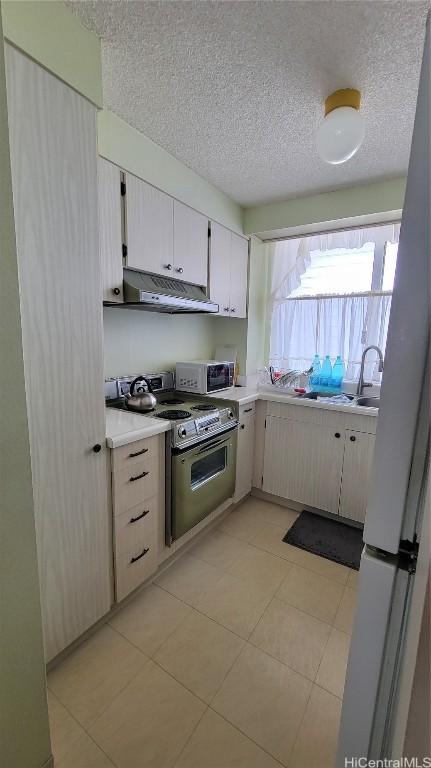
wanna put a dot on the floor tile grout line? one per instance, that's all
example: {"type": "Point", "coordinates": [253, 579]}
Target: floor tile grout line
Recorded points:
{"type": "Point", "coordinates": [151, 655]}
{"type": "Point", "coordinates": [292, 562]}
{"type": "Point", "coordinates": [189, 738]}
{"type": "Point", "coordinates": [300, 725]}
{"type": "Point", "coordinates": [202, 613]}
{"type": "Point", "coordinates": [283, 663]}
{"type": "Point", "coordinates": [82, 727]}
{"type": "Point", "coordinates": [233, 725]}
{"type": "Point", "coordinates": [135, 674]}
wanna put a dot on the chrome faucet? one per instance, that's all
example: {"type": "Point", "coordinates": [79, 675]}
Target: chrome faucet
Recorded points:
{"type": "Point", "coordinates": [361, 382]}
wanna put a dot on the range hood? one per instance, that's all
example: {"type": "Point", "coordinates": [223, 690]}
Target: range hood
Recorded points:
{"type": "Point", "coordinates": [154, 293]}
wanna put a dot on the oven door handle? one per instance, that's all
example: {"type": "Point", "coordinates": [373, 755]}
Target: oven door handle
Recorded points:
{"type": "Point", "coordinates": [208, 446]}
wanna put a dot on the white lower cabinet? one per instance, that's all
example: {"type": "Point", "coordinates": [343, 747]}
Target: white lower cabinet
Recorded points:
{"type": "Point", "coordinates": [303, 462]}
{"type": "Point", "coordinates": [245, 451]}
{"type": "Point", "coordinates": [358, 460]}
{"type": "Point", "coordinates": [318, 458]}
{"type": "Point", "coordinates": [138, 507]}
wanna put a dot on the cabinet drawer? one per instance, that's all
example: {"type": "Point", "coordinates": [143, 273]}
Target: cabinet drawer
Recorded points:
{"type": "Point", "coordinates": [136, 526]}
{"type": "Point", "coordinates": [247, 410]}
{"type": "Point", "coordinates": [133, 567]}
{"type": "Point", "coordinates": [134, 453]}
{"type": "Point", "coordinates": [133, 485]}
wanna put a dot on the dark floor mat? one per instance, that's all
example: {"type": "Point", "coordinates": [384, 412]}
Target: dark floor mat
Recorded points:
{"type": "Point", "coordinates": [328, 538]}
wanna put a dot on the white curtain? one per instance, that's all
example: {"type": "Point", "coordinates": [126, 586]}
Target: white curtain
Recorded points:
{"type": "Point", "coordinates": [345, 325]}
{"type": "Point", "coordinates": [332, 326]}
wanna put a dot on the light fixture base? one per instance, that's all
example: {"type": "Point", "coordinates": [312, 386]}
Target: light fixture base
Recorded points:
{"type": "Point", "coordinates": [345, 97]}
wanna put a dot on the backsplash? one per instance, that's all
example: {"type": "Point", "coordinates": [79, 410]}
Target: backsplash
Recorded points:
{"type": "Point", "coordinates": [149, 341]}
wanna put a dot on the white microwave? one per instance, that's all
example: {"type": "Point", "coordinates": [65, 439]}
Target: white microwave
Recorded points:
{"type": "Point", "coordinates": [204, 376]}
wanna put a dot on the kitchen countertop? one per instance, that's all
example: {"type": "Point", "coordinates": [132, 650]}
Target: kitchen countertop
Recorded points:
{"type": "Point", "coordinates": [243, 395]}
{"type": "Point", "coordinates": [123, 427]}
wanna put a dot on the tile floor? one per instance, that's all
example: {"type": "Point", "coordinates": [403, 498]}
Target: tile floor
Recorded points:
{"type": "Point", "coordinates": [234, 658]}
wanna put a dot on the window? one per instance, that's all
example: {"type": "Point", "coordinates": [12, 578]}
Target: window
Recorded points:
{"type": "Point", "coordinates": [390, 262]}
{"type": "Point", "coordinates": [337, 272]}
{"type": "Point", "coordinates": [331, 295]}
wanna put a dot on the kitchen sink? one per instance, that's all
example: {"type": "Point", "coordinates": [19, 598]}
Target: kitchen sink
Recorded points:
{"type": "Point", "coordinates": [364, 402]}
{"type": "Point", "coordinates": [368, 402]}
{"type": "Point", "coordinates": [315, 395]}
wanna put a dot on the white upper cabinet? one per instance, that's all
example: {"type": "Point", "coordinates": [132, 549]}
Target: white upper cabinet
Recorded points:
{"type": "Point", "coordinates": [220, 246]}
{"type": "Point", "coordinates": [190, 260]}
{"type": "Point", "coordinates": [238, 276]}
{"type": "Point", "coordinates": [228, 271]}
{"type": "Point", "coordinates": [164, 236]}
{"type": "Point", "coordinates": [150, 227]}
{"type": "Point", "coordinates": [110, 233]}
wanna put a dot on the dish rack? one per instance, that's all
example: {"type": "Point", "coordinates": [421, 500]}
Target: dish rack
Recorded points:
{"type": "Point", "coordinates": [288, 381]}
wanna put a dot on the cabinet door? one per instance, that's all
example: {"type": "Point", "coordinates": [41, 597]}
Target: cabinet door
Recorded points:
{"type": "Point", "coordinates": [358, 459]}
{"type": "Point", "coordinates": [238, 276]}
{"type": "Point", "coordinates": [54, 176]}
{"type": "Point", "coordinates": [303, 462]}
{"type": "Point", "coordinates": [245, 454]}
{"type": "Point", "coordinates": [110, 235]}
{"type": "Point", "coordinates": [190, 245]}
{"type": "Point", "coordinates": [149, 227]}
{"type": "Point", "coordinates": [219, 282]}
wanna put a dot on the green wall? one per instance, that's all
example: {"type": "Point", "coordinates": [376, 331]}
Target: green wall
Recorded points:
{"type": "Point", "coordinates": [24, 731]}
{"type": "Point", "coordinates": [137, 341]}
{"type": "Point", "coordinates": [50, 33]}
{"type": "Point", "coordinates": [134, 152]}
{"type": "Point", "coordinates": [381, 197]}
{"type": "Point", "coordinates": [256, 329]}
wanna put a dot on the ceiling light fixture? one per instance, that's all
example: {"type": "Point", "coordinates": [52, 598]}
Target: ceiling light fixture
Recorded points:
{"type": "Point", "coordinates": [342, 131]}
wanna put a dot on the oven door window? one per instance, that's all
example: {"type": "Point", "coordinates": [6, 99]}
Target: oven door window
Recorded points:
{"type": "Point", "coordinates": [218, 377]}
{"type": "Point", "coordinates": [208, 467]}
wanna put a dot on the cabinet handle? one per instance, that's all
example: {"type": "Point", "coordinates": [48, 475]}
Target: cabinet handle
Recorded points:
{"type": "Point", "coordinates": [337, 435]}
{"type": "Point", "coordinates": [139, 517]}
{"type": "Point", "coordinates": [138, 453]}
{"type": "Point", "coordinates": [232, 309]}
{"type": "Point", "coordinates": [138, 557]}
{"type": "Point", "coordinates": [97, 448]}
{"type": "Point", "coordinates": [180, 270]}
{"type": "Point", "coordinates": [352, 438]}
{"type": "Point", "coordinates": [167, 266]}
{"type": "Point", "coordinates": [138, 477]}
{"type": "Point", "coordinates": [242, 426]}
{"type": "Point", "coordinates": [226, 309]}
{"type": "Point", "coordinates": [248, 410]}
{"type": "Point", "coordinates": [116, 291]}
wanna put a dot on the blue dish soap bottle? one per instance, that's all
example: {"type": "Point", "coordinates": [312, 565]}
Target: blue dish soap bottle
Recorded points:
{"type": "Point", "coordinates": [326, 375]}
{"type": "Point", "coordinates": [337, 376]}
{"type": "Point", "coordinates": [315, 374]}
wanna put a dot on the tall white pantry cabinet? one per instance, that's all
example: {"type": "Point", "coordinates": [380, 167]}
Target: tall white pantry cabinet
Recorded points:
{"type": "Point", "coordinates": [54, 176]}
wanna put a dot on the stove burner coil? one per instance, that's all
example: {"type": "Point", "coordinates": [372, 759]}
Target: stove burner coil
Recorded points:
{"type": "Point", "coordinates": [204, 407]}
{"type": "Point", "coordinates": [174, 415]}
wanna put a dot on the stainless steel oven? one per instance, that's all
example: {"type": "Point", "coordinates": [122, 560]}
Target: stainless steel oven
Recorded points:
{"type": "Point", "coordinates": [202, 477]}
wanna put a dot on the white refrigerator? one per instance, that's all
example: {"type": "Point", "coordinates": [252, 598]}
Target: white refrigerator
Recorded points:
{"type": "Point", "coordinates": [395, 560]}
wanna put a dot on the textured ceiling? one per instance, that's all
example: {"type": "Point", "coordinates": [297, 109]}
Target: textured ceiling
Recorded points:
{"type": "Point", "coordinates": [235, 89]}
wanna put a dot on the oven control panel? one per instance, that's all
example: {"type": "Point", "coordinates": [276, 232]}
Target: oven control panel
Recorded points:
{"type": "Point", "coordinates": [194, 430]}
